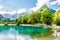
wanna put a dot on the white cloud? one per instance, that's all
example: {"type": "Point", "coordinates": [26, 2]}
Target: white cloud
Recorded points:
{"type": "Point", "coordinates": [21, 11]}
{"type": "Point", "coordinates": [54, 2]}
{"type": "Point", "coordinates": [58, 1]}
{"type": "Point", "coordinates": [3, 12]}
{"type": "Point", "coordinates": [1, 6]}
{"type": "Point", "coordinates": [13, 12]}
{"type": "Point", "coordinates": [39, 4]}
{"type": "Point", "coordinates": [42, 2]}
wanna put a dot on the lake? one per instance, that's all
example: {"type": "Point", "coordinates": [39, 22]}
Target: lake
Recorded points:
{"type": "Point", "coordinates": [23, 32]}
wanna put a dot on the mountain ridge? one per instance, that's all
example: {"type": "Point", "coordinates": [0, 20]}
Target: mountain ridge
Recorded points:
{"type": "Point", "coordinates": [15, 16]}
{"type": "Point", "coordinates": [46, 7]}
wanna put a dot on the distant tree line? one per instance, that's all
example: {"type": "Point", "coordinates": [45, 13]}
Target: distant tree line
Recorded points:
{"type": "Point", "coordinates": [41, 17]}
{"type": "Point", "coordinates": [44, 17]}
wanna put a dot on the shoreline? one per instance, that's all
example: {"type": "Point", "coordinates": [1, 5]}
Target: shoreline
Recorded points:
{"type": "Point", "coordinates": [35, 25]}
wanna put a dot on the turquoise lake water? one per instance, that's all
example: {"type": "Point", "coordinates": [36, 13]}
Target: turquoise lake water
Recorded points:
{"type": "Point", "coordinates": [23, 32]}
{"type": "Point", "coordinates": [25, 29]}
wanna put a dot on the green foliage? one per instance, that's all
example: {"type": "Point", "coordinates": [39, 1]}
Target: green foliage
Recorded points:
{"type": "Point", "coordinates": [43, 15]}
{"type": "Point", "coordinates": [30, 18]}
{"type": "Point", "coordinates": [56, 18]}
{"type": "Point", "coordinates": [18, 21]}
{"type": "Point", "coordinates": [46, 17]}
{"type": "Point", "coordinates": [5, 23]}
{"type": "Point", "coordinates": [36, 17]}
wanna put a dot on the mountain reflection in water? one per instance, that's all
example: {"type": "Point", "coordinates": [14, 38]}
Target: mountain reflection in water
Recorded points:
{"type": "Point", "coordinates": [12, 34]}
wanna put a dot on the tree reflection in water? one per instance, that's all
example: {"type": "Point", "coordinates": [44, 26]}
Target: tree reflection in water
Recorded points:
{"type": "Point", "coordinates": [12, 34]}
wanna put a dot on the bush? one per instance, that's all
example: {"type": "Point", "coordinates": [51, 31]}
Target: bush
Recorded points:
{"type": "Point", "coordinates": [5, 23]}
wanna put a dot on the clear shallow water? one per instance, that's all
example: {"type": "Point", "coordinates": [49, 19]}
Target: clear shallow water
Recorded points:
{"type": "Point", "coordinates": [12, 34]}
{"type": "Point", "coordinates": [22, 32]}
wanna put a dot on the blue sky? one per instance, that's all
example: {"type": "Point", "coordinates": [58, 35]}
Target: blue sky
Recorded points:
{"type": "Point", "coordinates": [24, 5]}
{"type": "Point", "coordinates": [17, 4]}
{"type": "Point", "coordinates": [55, 6]}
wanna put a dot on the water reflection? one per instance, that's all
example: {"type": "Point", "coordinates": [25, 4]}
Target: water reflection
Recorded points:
{"type": "Point", "coordinates": [12, 34]}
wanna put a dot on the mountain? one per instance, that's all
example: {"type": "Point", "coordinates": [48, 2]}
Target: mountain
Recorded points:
{"type": "Point", "coordinates": [14, 16]}
{"type": "Point", "coordinates": [2, 19]}
{"type": "Point", "coordinates": [24, 13]}
{"type": "Point", "coordinates": [10, 16]}
{"type": "Point", "coordinates": [1, 16]}
{"type": "Point", "coordinates": [46, 7]}
{"type": "Point", "coordinates": [43, 8]}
